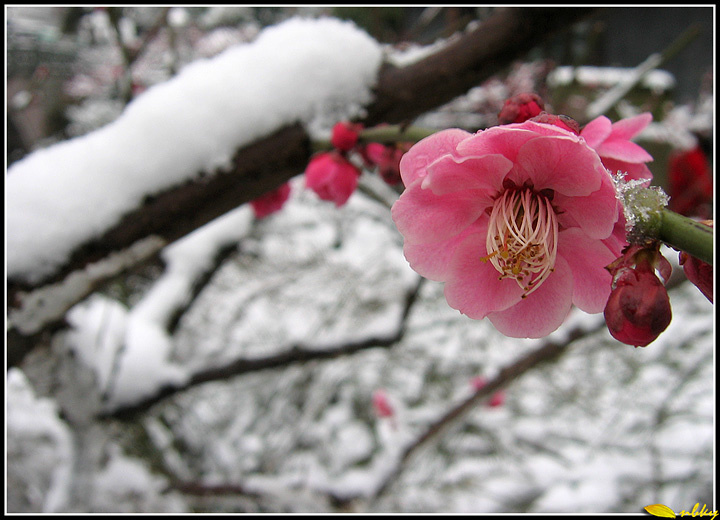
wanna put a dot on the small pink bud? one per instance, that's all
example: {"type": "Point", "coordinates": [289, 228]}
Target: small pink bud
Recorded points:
{"type": "Point", "coordinates": [345, 135]}
{"type": "Point", "coordinates": [520, 108]}
{"type": "Point", "coordinates": [381, 404]}
{"type": "Point", "coordinates": [271, 202]}
{"type": "Point", "coordinates": [332, 177]}
{"type": "Point", "coordinates": [497, 399]}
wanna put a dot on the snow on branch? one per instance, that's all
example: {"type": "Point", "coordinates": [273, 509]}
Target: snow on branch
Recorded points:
{"type": "Point", "coordinates": [71, 193]}
{"type": "Point", "coordinates": [228, 129]}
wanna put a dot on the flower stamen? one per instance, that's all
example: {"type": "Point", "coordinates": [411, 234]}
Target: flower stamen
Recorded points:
{"type": "Point", "coordinates": [522, 238]}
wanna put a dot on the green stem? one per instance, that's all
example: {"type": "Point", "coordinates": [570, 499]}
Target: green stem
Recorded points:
{"type": "Point", "coordinates": [395, 134]}
{"type": "Point", "coordinates": [683, 233]}
{"type": "Point", "coordinates": [384, 134]}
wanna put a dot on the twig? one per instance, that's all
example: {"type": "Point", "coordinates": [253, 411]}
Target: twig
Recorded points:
{"type": "Point", "coordinates": [608, 100]}
{"type": "Point", "coordinates": [294, 354]}
{"type": "Point", "coordinates": [550, 351]}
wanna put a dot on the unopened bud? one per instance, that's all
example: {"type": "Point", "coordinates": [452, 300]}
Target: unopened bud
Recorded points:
{"type": "Point", "coordinates": [520, 108]}
{"type": "Point", "coordinates": [345, 135]}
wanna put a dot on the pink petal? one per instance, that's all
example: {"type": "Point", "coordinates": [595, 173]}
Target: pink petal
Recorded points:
{"type": "Point", "coordinates": [425, 151]}
{"type": "Point", "coordinates": [596, 131]}
{"type": "Point", "coordinates": [473, 286]}
{"type": "Point", "coordinates": [595, 214]}
{"type": "Point", "coordinates": [505, 140]}
{"type": "Point", "coordinates": [562, 164]}
{"type": "Point", "coordinates": [543, 311]}
{"type": "Point", "coordinates": [626, 129]}
{"type": "Point", "coordinates": [623, 151]}
{"type": "Point", "coordinates": [449, 174]}
{"type": "Point", "coordinates": [587, 259]}
{"type": "Point", "coordinates": [423, 217]}
{"type": "Point", "coordinates": [433, 260]}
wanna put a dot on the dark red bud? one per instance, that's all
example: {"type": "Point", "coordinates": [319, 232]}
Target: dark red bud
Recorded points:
{"type": "Point", "coordinates": [345, 135]}
{"type": "Point", "coordinates": [638, 309]}
{"type": "Point", "coordinates": [520, 108]}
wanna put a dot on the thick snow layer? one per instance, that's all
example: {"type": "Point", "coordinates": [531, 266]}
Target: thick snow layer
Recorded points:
{"type": "Point", "coordinates": [299, 70]}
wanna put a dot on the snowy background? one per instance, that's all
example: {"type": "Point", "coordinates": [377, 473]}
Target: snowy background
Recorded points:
{"type": "Point", "coordinates": [317, 311]}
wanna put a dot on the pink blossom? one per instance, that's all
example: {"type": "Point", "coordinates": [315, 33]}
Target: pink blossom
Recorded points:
{"type": "Point", "coordinates": [386, 159]}
{"type": "Point", "coordinates": [496, 399]}
{"type": "Point", "coordinates": [612, 143]}
{"type": "Point", "coordinates": [332, 177]}
{"type": "Point", "coordinates": [271, 202]}
{"type": "Point", "coordinates": [381, 404]}
{"type": "Point", "coordinates": [512, 219]}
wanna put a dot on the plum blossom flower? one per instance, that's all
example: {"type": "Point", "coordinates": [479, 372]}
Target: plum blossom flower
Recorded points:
{"type": "Point", "coordinates": [612, 142]}
{"type": "Point", "coordinates": [271, 202]}
{"type": "Point", "coordinates": [332, 177]}
{"type": "Point", "coordinates": [386, 159]}
{"type": "Point", "coordinates": [512, 219]}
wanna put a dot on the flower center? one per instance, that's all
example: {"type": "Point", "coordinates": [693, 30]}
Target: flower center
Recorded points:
{"type": "Point", "coordinates": [522, 238]}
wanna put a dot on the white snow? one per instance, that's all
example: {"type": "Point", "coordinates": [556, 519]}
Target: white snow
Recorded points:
{"type": "Point", "coordinates": [129, 349]}
{"type": "Point", "coordinates": [42, 443]}
{"type": "Point", "coordinates": [300, 70]}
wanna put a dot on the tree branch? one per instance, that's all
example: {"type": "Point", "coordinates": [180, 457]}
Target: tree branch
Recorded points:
{"type": "Point", "coordinates": [294, 354]}
{"type": "Point", "coordinates": [401, 95]}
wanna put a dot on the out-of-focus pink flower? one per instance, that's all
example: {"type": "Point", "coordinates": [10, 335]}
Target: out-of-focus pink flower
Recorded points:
{"type": "Point", "coordinates": [332, 177]}
{"type": "Point", "coordinates": [699, 272]}
{"type": "Point", "coordinates": [345, 135]}
{"type": "Point", "coordinates": [512, 219]}
{"type": "Point", "coordinates": [497, 399]}
{"type": "Point", "coordinates": [690, 183]}
{"type": "Point", "coordinates": [520, 108]}
{"type": "Point", "coordinates": [612, 142]}
{"type": "Point", "coordinates": [381, 404]}
{"type": "Point", "coordinates": [386, 159]}
{"type": "Point", "coordinates": [271, 202]}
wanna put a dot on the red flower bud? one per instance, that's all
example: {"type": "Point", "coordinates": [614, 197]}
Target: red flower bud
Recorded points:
{"type": "Point", "coordinates": [332, 177]}
{"type": "Point", "coordinates": [345, 135]}
{"type": "Point", "coordinates": [690, 184]}
{"type": "Point", "coordinates": [699, 272]}
{"type": "Point", "coordinates": [638, 308]}
{"type": "Point", "coordinates": [520, 108]}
